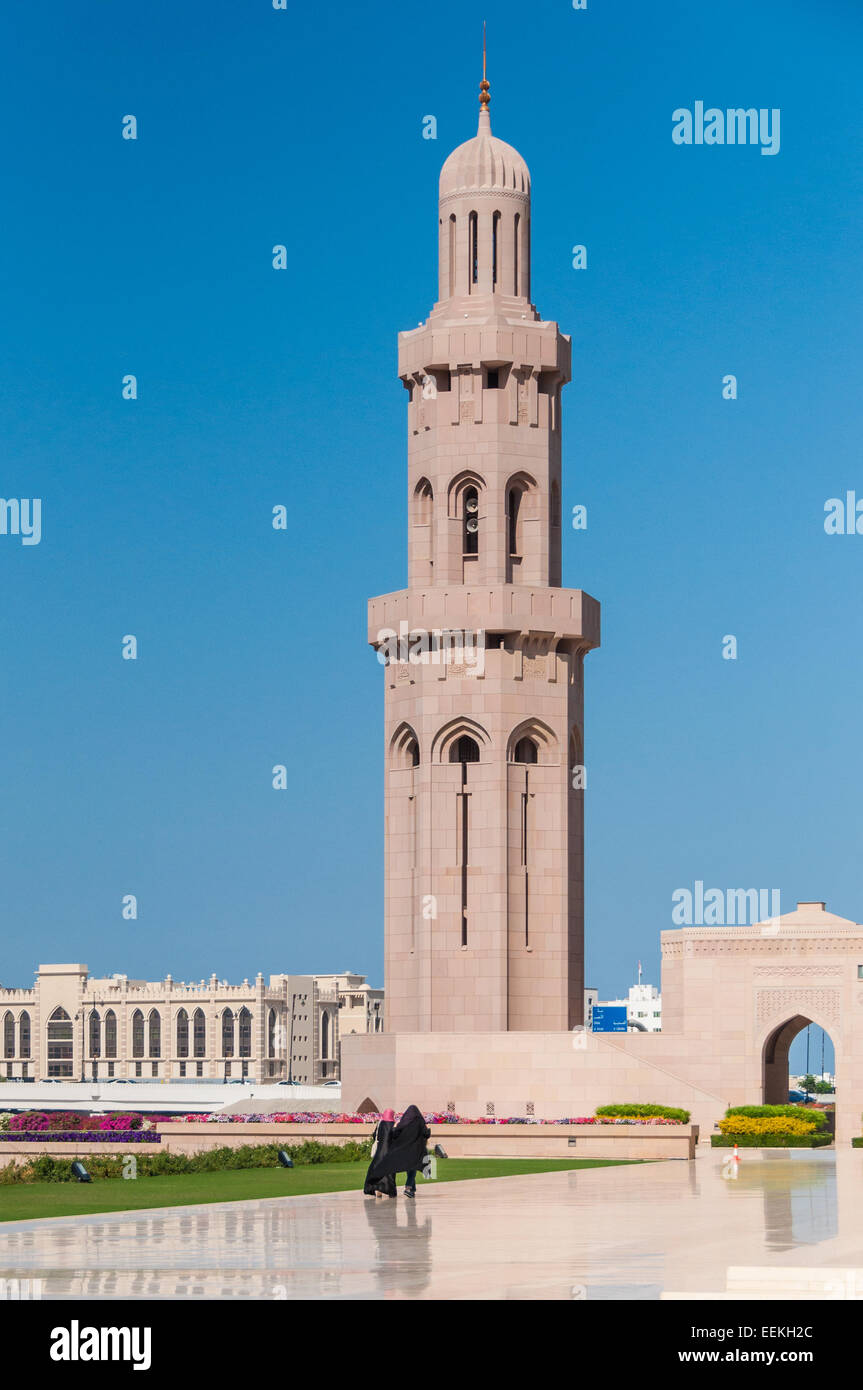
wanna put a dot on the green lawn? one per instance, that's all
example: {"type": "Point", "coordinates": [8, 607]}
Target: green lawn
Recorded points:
{"type": "Point", "coordinates": [40, 1199]}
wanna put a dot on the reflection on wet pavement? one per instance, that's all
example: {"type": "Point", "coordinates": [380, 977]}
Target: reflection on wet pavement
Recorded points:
{"type": "Point", "coordinates": [602, 1233]}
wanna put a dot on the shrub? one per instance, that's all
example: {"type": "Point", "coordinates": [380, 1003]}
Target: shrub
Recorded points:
{"type": "Point", "coordinates": [766, 1124]}
{"type": "Point", "coordinates": [812, 1140]}
{"type": "Point", "coordinates": [666, 1112]}
{"type": "Point", "coordinates": [818, 1118]}
{"type": "Point", "coordinates": [44, 1168]}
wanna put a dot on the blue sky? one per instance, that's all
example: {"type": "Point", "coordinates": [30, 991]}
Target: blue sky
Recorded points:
{"type": "Point", "coordinates": [705, 516]}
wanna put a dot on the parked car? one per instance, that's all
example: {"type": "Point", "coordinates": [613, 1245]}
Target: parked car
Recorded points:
{"type": "Point", "coordinates": [797, 1097]}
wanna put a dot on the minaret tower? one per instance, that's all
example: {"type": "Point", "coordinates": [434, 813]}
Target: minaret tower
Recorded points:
{"type": "Point", "coordinates": [484, 651]}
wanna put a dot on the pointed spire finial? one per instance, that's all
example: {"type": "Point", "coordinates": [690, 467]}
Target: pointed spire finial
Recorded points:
{"type": "Point", "coordinates": [484, 97]}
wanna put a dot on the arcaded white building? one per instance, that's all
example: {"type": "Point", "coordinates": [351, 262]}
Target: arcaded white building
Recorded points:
{"type": "Point", "coordinates": [74, 1027]}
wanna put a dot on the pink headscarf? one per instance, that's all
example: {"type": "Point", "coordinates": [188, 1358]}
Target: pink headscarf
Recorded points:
{"type": "Point", "coordinates": [388, 1115]}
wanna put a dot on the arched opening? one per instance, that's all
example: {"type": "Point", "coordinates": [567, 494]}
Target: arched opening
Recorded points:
{"type": "Point", "coordinates": [200, 1033]}
{"type": "Point", "coordinates": [513, 503]}
{"type": "Point", "coordinates": [794, 1050]}
{"type": "Point", "coordinates": [228, 1033]}
{"type": "Point", "coordinates": [155, 1033]}
{"type": "Point", "coordinates": [464, 750]}
{"type": "Point", "coordinates": [60, 1044]}
{"type": "Point", "coordinates": [325, 1036]}
{"type": "Point", "coordinates": [182, 1033]}
{"type": "Point", "coordinates": [525, 751]}
{"type": "Point", "coordinates": [515, 236]}
{"type": "Point", "coordinates": [137, 1034]}
{"type": "Point", "coordinates": [95, 1034]}
{"type": "Point", "coordinates": [473, 252]}
{"type": "Point", "coordinates": [404, 748]}
{"type": "Point", "coordinates": [423, 502]}
{"type": "Point", "coordinates": [9, 1035]}
{"type": "Point", "coordinates": [452, 255]}
{"type": "Point", "coordinates": [470, 521]}
{"type": "Point", "coordinates": [110, 1034]}
{"type": "Point", "coordinates": [244, 1028]}
{"type": "Point", "coordinates": [495, 238]}
{"type": "Point", "coordinates": [520, 499]}
{"type": "Point", "coordinates": [271, 1033]}
{"type": "Point", "coordinates": [24, 1035]}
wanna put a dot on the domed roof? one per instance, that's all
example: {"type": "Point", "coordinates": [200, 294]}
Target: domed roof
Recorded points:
{"type": "Point", "coordinates": [484, 163]}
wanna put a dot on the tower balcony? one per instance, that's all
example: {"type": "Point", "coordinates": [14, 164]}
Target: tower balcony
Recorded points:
{"type": "Point", "coordinates": [561, 614]}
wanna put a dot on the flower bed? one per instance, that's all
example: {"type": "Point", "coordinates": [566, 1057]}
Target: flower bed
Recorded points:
{"type": "Point", "coordinates": [324, 1117]}
{"type": "Point", "coordinates": [50, 1122]}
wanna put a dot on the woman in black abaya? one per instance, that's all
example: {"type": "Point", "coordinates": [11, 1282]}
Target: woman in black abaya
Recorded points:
{"type": "Point", "coordinates": [380, 1181]}
{"type": "Point", "coordinates": [404, 1153]}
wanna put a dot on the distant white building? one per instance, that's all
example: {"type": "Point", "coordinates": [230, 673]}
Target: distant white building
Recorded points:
{"type": "Point", "coordinates": [643, 1007]}
{"type": "Point", "coordinates": [72, 1026]}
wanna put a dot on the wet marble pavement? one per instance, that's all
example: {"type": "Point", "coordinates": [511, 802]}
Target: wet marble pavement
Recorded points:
{"type": "Point", "coordinates": [788, 1224]}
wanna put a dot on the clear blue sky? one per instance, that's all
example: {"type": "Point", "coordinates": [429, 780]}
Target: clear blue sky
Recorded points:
{"type": "Point", "coordinates": [256, 388]}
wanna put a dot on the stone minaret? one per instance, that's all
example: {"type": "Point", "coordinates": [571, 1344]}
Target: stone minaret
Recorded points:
{"type": "Point", "coordinates": [484, 651]}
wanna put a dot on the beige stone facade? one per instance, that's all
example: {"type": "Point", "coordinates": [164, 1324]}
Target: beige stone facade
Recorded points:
{"type": "Point", "coordinates": [733, 1000]}
{"type": "Point", "coordinates": [71, 1026]}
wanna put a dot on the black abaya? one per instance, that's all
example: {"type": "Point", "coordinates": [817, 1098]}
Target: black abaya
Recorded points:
{"type": "Point", "coordinates": [404, 1152]}
{"type": "Point", "coordinates": [383, 1181]}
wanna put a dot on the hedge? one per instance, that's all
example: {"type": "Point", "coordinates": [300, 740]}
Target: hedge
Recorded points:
{"type": "Point", "coordinates": [772, 1124]}
{"type": "Point", "coordinates": [770, 1141]}
{"type": "Point", "coordinates": [154, 1165]}
{"type": "Point", "coordinates": [791, 1112]}
{"type": "Point", "coordinates": [667, 1112]}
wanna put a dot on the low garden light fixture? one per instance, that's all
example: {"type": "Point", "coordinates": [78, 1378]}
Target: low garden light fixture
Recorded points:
{"type": "Point", "coordinates": [79, 1172]}
{"type": "Point", "coordinates": [440, 1151]}
{"type": "Point", "coordinates": [285, 1159]}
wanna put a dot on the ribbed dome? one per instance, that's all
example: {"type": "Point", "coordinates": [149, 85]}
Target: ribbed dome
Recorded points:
{"type": "Point", "coordinates": [484, 162]}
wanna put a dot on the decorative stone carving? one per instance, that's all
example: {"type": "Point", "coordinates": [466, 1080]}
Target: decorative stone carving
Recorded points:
{"type": "Point", "coordinates": [788, 971]}
{"type": "Point", "coordinates": [770, 1002]}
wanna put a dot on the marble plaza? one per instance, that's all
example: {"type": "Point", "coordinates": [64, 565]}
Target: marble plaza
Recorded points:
{"type": "Point", "coordinates": [637, 1232]}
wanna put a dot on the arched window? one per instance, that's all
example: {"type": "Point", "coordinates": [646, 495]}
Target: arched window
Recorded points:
{"type": "Point", "coordinates": [182, 1034]}
{"type": "Point", "coordinates": [200, 1033]}
{"type": "Point", "coordinates": [9, 1035]}
{"type": "Point", "coordinates": [137, 1034]}
{"type": "Point", "coordinates": [495, 234]}
{"type": "Point", "coordinates": [423, 502]}
{"type": "Point", "coordinates": [110, 1034]}
{"type": "Point", "coordinates": [95, 1034]}
{"type": "Point", "coordinates": [516, 227]}
{"type": "Point", "coordinates": [271, 1033]}
{"type": "Point", "coordinates": [513, 502]}
{"type": "Point", "coordinates": [245, 1032]}
{"type": "Point", "coordinates": [24, 1035]}
{"type": "Point", "coordinates": [155, 1033]}
{"type": "Point", "coordinates": [525, 751]}
{"type": "Point", "coordinates": [470, 502]}
{"type": "Point", "coordinates": [452, 254]}
{"type": "Point", "coordinates": [404, 747]}
{"type": "Point", "coordinates": [464, 750]}
{"type": "Point", "coordinates": [60, 1045]}
{"type": "Point", "coordinates": [228, 1033]}
{"type": "Point", "coordinates": [325, 1035]}
{"type": "Point", "coordinates": [473, 252]}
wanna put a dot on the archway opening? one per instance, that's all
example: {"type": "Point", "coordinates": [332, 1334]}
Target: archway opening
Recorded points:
{"type": "Point", "coordinates": [798, 1062]}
